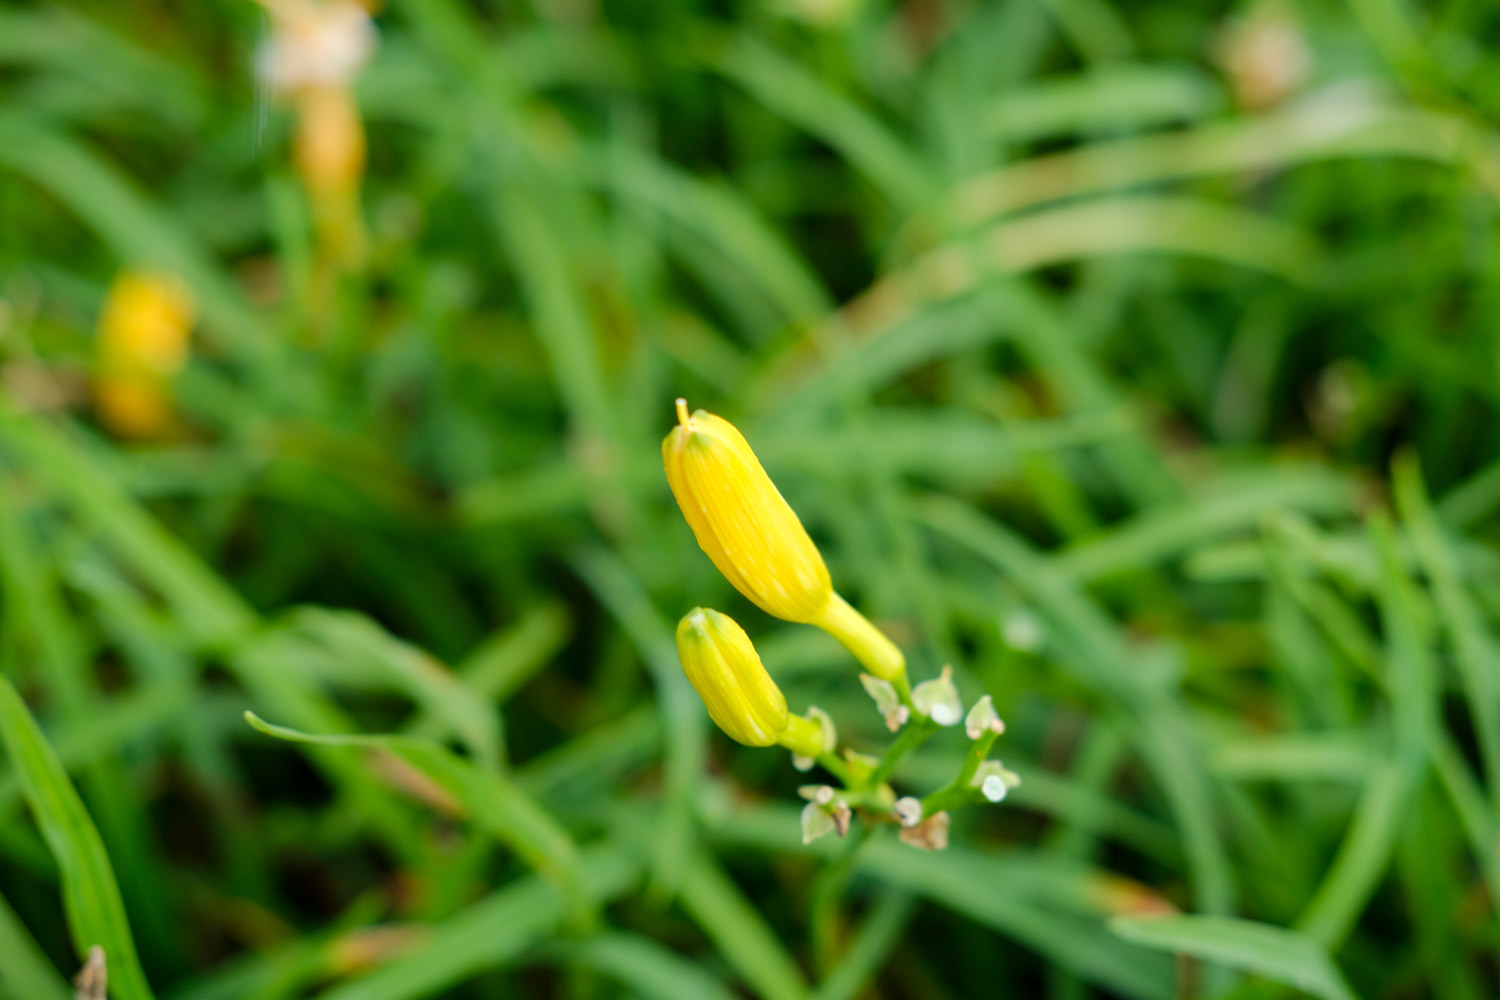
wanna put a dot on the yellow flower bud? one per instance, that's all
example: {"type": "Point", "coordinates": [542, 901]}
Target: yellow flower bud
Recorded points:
{"type": "Point", "coordinates": [755, 539]}
{"type": "Point", "coordinates": [740, 518]}
{"type": "Point", "coordinates": [330, 143]}
{"type": "Point", "coordinates": [143, 342]}
{"type": "Point", "coordinates": [723, 666]}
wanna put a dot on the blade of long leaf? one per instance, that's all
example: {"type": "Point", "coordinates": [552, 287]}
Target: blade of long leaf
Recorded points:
{"type": "Point", "coordinates": [91, 897]}
{"type": "Point", "coordinates": [1276, 953]}
{"type": "Point", "coordinates": [491, 799]}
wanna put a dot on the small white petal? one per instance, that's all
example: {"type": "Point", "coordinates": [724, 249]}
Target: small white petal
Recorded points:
{"type": "Point", "coordinates": [802, 763]}
{"type": "Point", "coordinates": [884, 693]}
{"type": "Point", "coordinates": [994, 788]}
{"type": "Point", "coordinates": [815, 823]}
{"type": "Point", "coordinates": [938, 699]}
{"type": "Point", "coordinates": [908, 810]}
{"type": "Point", "coordinates": [983, 718]}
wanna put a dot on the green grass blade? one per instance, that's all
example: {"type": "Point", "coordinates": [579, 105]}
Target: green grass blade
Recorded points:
{"type": "Point", "coordinates": [870, 948]}
{"type": "Point", "coordinates": [739, 932]}
{"type": "Point", "coordinates": [681, 713]}
{"type": "Point", "coordinates": [1368, 848]}
{"type": "Point", "coordinates": [1276, 953]}
{"type": "Point", "coordinates": [1102, 660]}
{"type": "Point", "coordinates": [489, 934]}
{"type": "Point", "coordinates": [203, 602]}
{"type": "Point", "coordinates": [803, 98]}
{"type": "Point", "coordinates": [429, 683]}
{"type": "Point", "coordinates": [1478, 653]}
{"type": "Point", "coordinates": [1038, 916]}
{"type": "Point", "coordinates": [647, 968]}
{"type": "Point", "coordinates": [24, 970]}
{"type": "Point", "coordinates": [91, 897]}
{"type": "Point", "coordinates": [493, 801]}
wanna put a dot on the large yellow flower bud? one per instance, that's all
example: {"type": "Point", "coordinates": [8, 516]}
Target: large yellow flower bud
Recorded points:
{"type": "Point", "coordinates": [742, 699]}
{"type": "Point", "coordinates": [143, 342]}
{"type": "Point", "coordinates": [755, 539]}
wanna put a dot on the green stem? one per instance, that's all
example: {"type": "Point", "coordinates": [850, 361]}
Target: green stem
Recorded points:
{"type": "Point", "coordinates": [827, 891]}
{"type": "Point", "coordinates": [914, 735]}
{"type": "Point", "coordinates": [834, 766]}
{"type": "Point", "coordinates": [868, 644]}
{"type": "Point", "coordinates": [903, 691]}
{"type": "Point", "coordinates": [959, 792]}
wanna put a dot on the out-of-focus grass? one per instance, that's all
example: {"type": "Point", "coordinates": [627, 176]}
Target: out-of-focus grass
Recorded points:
{"type": "Point", "coordinates": [1168, 421]}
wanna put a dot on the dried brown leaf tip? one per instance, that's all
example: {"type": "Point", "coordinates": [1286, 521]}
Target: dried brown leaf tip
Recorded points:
{"type": "Point", "coordinates": [92, 981]}
{"type": "Point", "coordinates": [930, 835]}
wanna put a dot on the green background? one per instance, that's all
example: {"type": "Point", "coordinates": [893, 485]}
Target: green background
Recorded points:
{"type": "Point", "coordinates": [1167, 421]}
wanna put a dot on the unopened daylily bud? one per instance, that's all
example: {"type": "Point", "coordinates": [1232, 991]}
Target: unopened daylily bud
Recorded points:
{"type": "Point", "coordinates": [143, 342]}
{"type": "Point", "coordinates": [908, 810]}
{"type": "Point", "coordinates": [742, 699]}
{"type": "Point", "coordinates": [726, 671]}
{"type": "Point", "coordinates": [887, 702]}
{"type": "Point", "coordinates": [938, 699]}
{"type": "Point", "coordinates": [983, 718]}
{"type": "Point", "coordinates": [994, 781]}
{"type": "Point", "coordinates": [755, 539]}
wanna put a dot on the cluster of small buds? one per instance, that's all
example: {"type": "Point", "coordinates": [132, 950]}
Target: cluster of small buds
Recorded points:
{"type": "Point", "coordinates": [824, 813]}
{"type": "Point", "coordinates": [755, 539]}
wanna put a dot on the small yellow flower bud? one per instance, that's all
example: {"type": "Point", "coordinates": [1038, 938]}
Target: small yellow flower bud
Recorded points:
{"type": "Point", "coordinates": [741, 520]}
{"type": "Point", "coordinates": [315, 52]}
{"type": "Point", "coordinates": [330, 142]}
{"type": "Point", "coordinates": [722, 664]}
{"type": "Point", "coordinates": [755, 539]}
{"type": "Point", "coordinates": [143, 342]}
{"type": "Point", "coordinates": [724, 667]}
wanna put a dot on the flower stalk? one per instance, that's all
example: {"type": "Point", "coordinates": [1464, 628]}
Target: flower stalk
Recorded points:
{"type": "Point", "coordinates": [745, 526]}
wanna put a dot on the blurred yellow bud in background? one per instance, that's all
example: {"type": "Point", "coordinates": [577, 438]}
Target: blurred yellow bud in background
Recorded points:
{"type": "Point", "coordinates": [330, 143]}
{"type": "Point", "coordinates": [755, 539]}
{"type": "Point", "coordinates": [316, 51]}
{"type": "Point", "coordinates": [143, 341]}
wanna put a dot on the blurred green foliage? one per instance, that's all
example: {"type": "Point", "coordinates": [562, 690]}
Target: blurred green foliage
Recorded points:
{"type": "Point", "coordinates": [1141, 366]}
